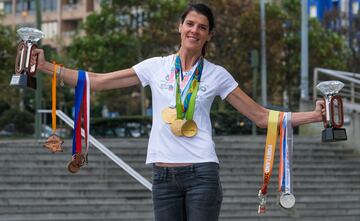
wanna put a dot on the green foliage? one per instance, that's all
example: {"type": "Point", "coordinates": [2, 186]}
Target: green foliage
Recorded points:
{"type": "Point", "coordinates": [8, 95]}
{"type": "Point", "coordinates": [117, 38]}
{"type": "Point", "coordinates": [22, 120]}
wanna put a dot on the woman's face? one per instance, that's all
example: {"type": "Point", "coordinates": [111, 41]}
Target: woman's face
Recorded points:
{"type": "Point", "coordinates": [194, 31]}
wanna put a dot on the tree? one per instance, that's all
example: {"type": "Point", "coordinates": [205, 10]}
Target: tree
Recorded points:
{"type": "Point", "coordinates": [9, 96]}
{"type": "Point", "coordinates": [122, 34]}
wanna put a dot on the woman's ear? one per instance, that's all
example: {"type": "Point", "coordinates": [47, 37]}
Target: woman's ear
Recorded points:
{"type": "Point", "coordinates": [180, 27]}
{"type": "Point", "coordinates": [210, 36]}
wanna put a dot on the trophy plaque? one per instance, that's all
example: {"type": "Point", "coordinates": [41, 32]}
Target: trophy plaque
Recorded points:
{"type": "Point", "coordinates": [334, 118]}
{"type": "Point", "coordinates": [26, 64]}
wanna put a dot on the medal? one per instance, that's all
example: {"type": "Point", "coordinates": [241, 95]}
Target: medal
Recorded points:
{"type": "Point", "coordinates": [82, 108]}
{"type": "Point", "coordinates": [169, 115]}
{"type": "Point", "coordinates": [53, 143]}
{"type": "Point", "coordinates": [78, 161]}
{"type": "Point", "coordinates": [287, 200]}
{"type": "Point", "coordinates": [176, 127]}
{"type": "Point", "coordinates": [181, 119]}
{"type": "Point", "coordinates": [189, 128]}
{"type": "Point", "coordinates": [271, 136]}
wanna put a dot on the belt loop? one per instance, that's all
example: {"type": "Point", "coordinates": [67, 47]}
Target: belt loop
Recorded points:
{"type": "Point", "coordinates": [194, 168]}
{"type": "Point", "coordinates": [166, 172]}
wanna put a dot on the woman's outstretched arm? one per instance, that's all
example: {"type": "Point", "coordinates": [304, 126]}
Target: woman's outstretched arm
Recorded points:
{"type": "Point", "coordinates": [258, 114]}
{"type": "Point", "coordinates": [98, 82]}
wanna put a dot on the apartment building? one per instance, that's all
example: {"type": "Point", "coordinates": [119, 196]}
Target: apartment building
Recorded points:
{"type": "Point", "coordinates": [60, 18]}
{"type": "Point", "coordinates": [348, 11]}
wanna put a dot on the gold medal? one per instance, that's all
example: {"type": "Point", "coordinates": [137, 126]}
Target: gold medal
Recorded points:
{"type": "Point", "coordinates": [189, 128]}
{"type": "Point", "coordinates": [176, 127]}
{"type": "Point", "coordinates": [169, 115]}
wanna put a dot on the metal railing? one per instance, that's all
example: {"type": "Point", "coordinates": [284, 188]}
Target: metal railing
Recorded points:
{"type": "Point", "coordinates": [103, 149]}
{"type": "Point", "coordinates": [351, 90]}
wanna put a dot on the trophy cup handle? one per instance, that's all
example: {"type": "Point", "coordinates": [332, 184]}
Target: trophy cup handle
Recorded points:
{"type": "Point", "coordinates": [325, 122]}
{"type": "Point", "coordinates": [33, 62]}
{"type": "Point", "coordinates": [340, 111]}
{"type": "Point", "coordinates": [20, 58]}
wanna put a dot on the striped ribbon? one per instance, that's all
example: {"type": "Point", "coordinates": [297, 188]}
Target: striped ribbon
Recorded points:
{"type": "Point", "coordinates": [82, 107]}
{"type": "Point", "coordinates": [185, 107]}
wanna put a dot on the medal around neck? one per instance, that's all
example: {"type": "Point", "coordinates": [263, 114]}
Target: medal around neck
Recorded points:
{"type": "Point", "coordinates": [187, 128]}
{"type": "Point", "coordinates": [53, 143]}
{"type": "Point", "coordinates": [169, 115]}
{"type": "Point", "coordinates": [181, 118]}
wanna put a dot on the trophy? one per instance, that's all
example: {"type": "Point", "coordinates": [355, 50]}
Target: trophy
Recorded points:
{"type": "Point", "coordinates": [334, 118]}
{"type": "Point", "coordinates": [25, 66]}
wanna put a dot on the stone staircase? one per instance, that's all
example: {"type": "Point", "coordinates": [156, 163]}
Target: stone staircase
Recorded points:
{"type": "Point", "coordinates": [36, 186]}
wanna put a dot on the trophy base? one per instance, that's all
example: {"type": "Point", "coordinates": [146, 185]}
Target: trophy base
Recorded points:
{"type": "Point", "coordinates": [23, 81]}
{"type": "Point", "coordinates": [333, 134]}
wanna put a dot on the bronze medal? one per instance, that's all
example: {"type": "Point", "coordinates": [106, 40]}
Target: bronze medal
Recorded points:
{"type": "Point", "coordinates": [73, 167]}
{"type": "Point", "coordinates": [169, 115]}
{"type": "Point", "coordinates": [53, 143]}
{"type": "Point", "coordinates": [189, 128]}
{"type": "Point", "coordinates": [78, 161]}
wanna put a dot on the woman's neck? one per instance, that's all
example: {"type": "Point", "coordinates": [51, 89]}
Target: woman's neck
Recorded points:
{"type": "Point", "coordinates": [188, 58]}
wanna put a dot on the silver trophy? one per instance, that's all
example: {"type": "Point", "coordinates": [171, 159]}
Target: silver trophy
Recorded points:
{"type": "Point", "coordinates": [334, 119]}
{"type": "Point", "coordinates": [26, 63]}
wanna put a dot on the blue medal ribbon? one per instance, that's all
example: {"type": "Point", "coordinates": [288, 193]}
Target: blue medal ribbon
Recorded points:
{"type": "Point", "coordinates": [79, 94]}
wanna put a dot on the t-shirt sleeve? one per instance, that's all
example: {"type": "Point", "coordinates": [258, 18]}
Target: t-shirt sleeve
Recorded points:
{"type": "Point", "coordinates": [226, 83]}
{"type": "Point", "coordinates": [145, 69]}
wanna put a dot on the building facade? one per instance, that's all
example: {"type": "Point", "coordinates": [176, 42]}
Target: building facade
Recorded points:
{"type": "Point", "coordinates": [60, 18]}
{"type": "Point", "coordinates": [347, 12]}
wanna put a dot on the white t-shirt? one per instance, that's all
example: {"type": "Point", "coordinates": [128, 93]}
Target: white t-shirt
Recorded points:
{"type": "Point", "coordinates": [164, 146]}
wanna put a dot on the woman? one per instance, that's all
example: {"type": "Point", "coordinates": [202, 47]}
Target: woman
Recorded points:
{"type": "Point", "coordinates": [186, 182]}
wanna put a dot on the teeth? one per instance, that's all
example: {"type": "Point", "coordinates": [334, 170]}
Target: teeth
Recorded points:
{"type": "Point", "coordinates": [193, 38]}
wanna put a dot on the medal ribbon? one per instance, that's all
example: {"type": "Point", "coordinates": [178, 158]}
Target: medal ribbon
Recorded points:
{"type": "Point", "coordinates": [53, 96]}
{"type": "Point", "coordinates": [271, 137]}
{"type": "Point", "coordinates": [82, 106]}
{"type": "Point", "coordinates": [186, 108]}
{"type": "Point", "coordinates": [286, 153]}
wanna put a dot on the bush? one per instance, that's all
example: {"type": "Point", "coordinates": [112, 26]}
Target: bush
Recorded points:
{"type": "Point", "coordinates": [23, 121]}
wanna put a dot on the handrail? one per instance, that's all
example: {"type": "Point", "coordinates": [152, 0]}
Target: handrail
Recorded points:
{"type": "Point", "coordinates": [352, 80]}
{"type": "Point", "coordinates": [103, 149]}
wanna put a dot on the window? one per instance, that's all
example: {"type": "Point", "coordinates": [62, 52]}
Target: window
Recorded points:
{"type": "Point", "coordinates": [313, 11]}
{"type": "Point", "coordinates": [50, 29]}
{"type": "Point", "coordinates": [8, 7]}
{"type": "Point", "coordinates": [355, 8]}
{"type": "Point", "coordinates": [49, 5]}
{"type": "Point", "coordinates": [25, 5]}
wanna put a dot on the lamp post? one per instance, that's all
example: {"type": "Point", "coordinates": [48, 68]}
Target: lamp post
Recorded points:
{"type": "Point", "coordinates": [304, 52]}
{"type": "Point", "coordinates": [263, 54]}
{"type": "Point", "coordinates": [38, 92]}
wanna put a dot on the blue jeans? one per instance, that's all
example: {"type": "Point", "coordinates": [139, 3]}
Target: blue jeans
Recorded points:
{"type": "Point", "coordinates": [189, 193]}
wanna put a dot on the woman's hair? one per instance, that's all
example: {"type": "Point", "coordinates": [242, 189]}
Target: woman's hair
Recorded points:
{"type": "Point", "coordinates": [204, 10]}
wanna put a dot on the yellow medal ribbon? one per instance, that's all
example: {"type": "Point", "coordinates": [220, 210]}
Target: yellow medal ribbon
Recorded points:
{"type": "Point", "coordinates": [271, 137]}
{"type": "Point", "coordinates": [53, 94]}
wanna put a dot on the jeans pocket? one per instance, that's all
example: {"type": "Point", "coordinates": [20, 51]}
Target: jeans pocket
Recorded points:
{"type": "Point", "coordinates": [209, 174]}
{"type": "Point", "coordinates": [159, 176]}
